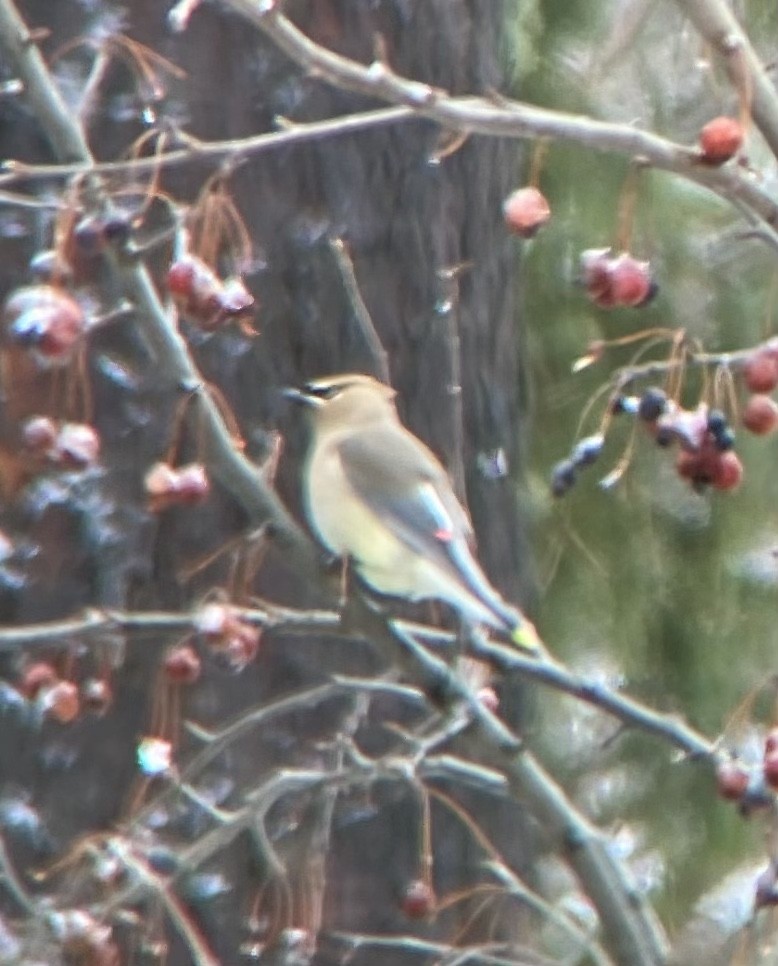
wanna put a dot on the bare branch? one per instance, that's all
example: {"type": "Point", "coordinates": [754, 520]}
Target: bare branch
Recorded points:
{"type": "Point", "coordinates": [502, 117]}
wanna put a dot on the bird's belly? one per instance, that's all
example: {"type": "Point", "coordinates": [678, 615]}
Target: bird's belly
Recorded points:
{"type": "Point", "coordinates": [347, 527]}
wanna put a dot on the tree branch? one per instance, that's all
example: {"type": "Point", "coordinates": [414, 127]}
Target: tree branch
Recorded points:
{"type": "Point", "coordinates": [500, 116]}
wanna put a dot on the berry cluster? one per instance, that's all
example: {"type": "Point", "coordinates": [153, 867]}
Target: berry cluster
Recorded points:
{"type": "Point", "coordinates": [760, 374]}
{"type": "Point", "coordinates": [229, 637]}
{"type": "Point", "coordinates": [65, 446]}
{"type": "Point", "coordinates": [752, 787]}
{"type": "Point", "coordinates": [60, 699]}
{"type": "Point", "coordinates": [168, 486]}
{"type": "Point", "coordinates": [202, 297]}
{"type": "Point", "coordinates": [702, 437]}
{"type": "Point", "coordinates": [616, 281]}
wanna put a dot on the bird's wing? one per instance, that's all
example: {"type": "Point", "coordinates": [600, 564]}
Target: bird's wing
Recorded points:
{"type": "Point", "coordinates": [404, 484]}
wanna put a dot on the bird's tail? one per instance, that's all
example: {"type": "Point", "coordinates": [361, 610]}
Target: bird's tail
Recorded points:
{"type": "Point", "coordinates": [521, 631]}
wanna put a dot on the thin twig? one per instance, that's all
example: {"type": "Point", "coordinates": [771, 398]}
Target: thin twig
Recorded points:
{"type": "Point", "coordinates": [195, 150]}
{"type": "Point", "coordinates": [367, 329]}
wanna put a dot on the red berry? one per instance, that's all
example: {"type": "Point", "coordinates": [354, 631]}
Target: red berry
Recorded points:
{"type": "Point", "coordinates": [180, 277]}
{"type": "Point", "coordinates": [46, 319]}
{"type": "Point", "coordinates": [760, 415]}
{"type": "Point", "coordinates": [418, 901]}
{"type": "Point", "coordinates": [720, 139]}
{"type": "Point", "coordinates": [182, 665]}
{"type": "Point", "coordinates": [525, 211]}
{"type": "Point", "coordinates": [78, 445]}
{"type": "Point", "coordinates": [196, 288]}
{"type": "Point", "coordinates": [760, 371]}
{"type": "Point", "coordinates": [630, 281]}
{"type": "Point", "coordinates": [60, 701]}
{"type": "Point", "coordinates": [731, 780]}
{"type": "Point", "coordinates": [193, 485]}
{"type": "Point", "coordinates": [168, 486]}
{"type": "Point", "coordinates": [39, 435]}
{"type": "Point", "coordinates": [161, 484]}
{"type": "Point", "coordinates": [36, 677]}
{"type": "Point", "coordinates": [728, 472]}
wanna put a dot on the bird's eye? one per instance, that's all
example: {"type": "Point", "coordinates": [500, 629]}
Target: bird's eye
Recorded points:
{"type": "Point", "coordinates": [321, 391]}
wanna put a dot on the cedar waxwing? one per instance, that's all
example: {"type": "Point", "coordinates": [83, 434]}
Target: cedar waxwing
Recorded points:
{"type": "Point", "coordinates": [377, 494]}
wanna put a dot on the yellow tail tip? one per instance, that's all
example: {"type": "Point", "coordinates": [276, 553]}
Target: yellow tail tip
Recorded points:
{"type": "Point", "coordinates": [526, 637]}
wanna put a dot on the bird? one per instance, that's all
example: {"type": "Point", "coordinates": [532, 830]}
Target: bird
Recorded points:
{"type": "Point", "coordinates": [377, 495]}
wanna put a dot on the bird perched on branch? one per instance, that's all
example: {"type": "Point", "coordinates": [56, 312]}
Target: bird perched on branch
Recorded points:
{"type": "Point", "coordinates": [376, 494]}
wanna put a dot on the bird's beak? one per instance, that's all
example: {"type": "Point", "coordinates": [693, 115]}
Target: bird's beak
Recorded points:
{"type": "Point", "coordinates": [301, 398]}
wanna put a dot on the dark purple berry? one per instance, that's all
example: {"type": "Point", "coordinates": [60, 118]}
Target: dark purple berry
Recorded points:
{"type": "Point", "coordinates": [717, 421]}
{"type": "Point", "coordinates": [652, 404]}
{"type": "Point", "coordinates": [586, 451]}
{"type": "Point", "coordinates": [725, 439]}
{"type": "Point", "coordinates": [563, 477]}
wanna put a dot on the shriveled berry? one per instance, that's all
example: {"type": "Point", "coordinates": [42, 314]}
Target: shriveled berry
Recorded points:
{"type": "Point", "coordinates": [418, 901]}
{"type": "Point", "coordinates": [652, 404]}
{"type": "Point", "coordinates": [760, 371]}
{"type": "Point", "coordinates": [720, 139]}
{"type": "Point", "coordinates": [760, 415]}
{"type": "Point", "coordinates": [563, 477]}
{"type": "Point", "coordinates": [182, 665]}
{"type": "Point", "coordinates": [525, 211]}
